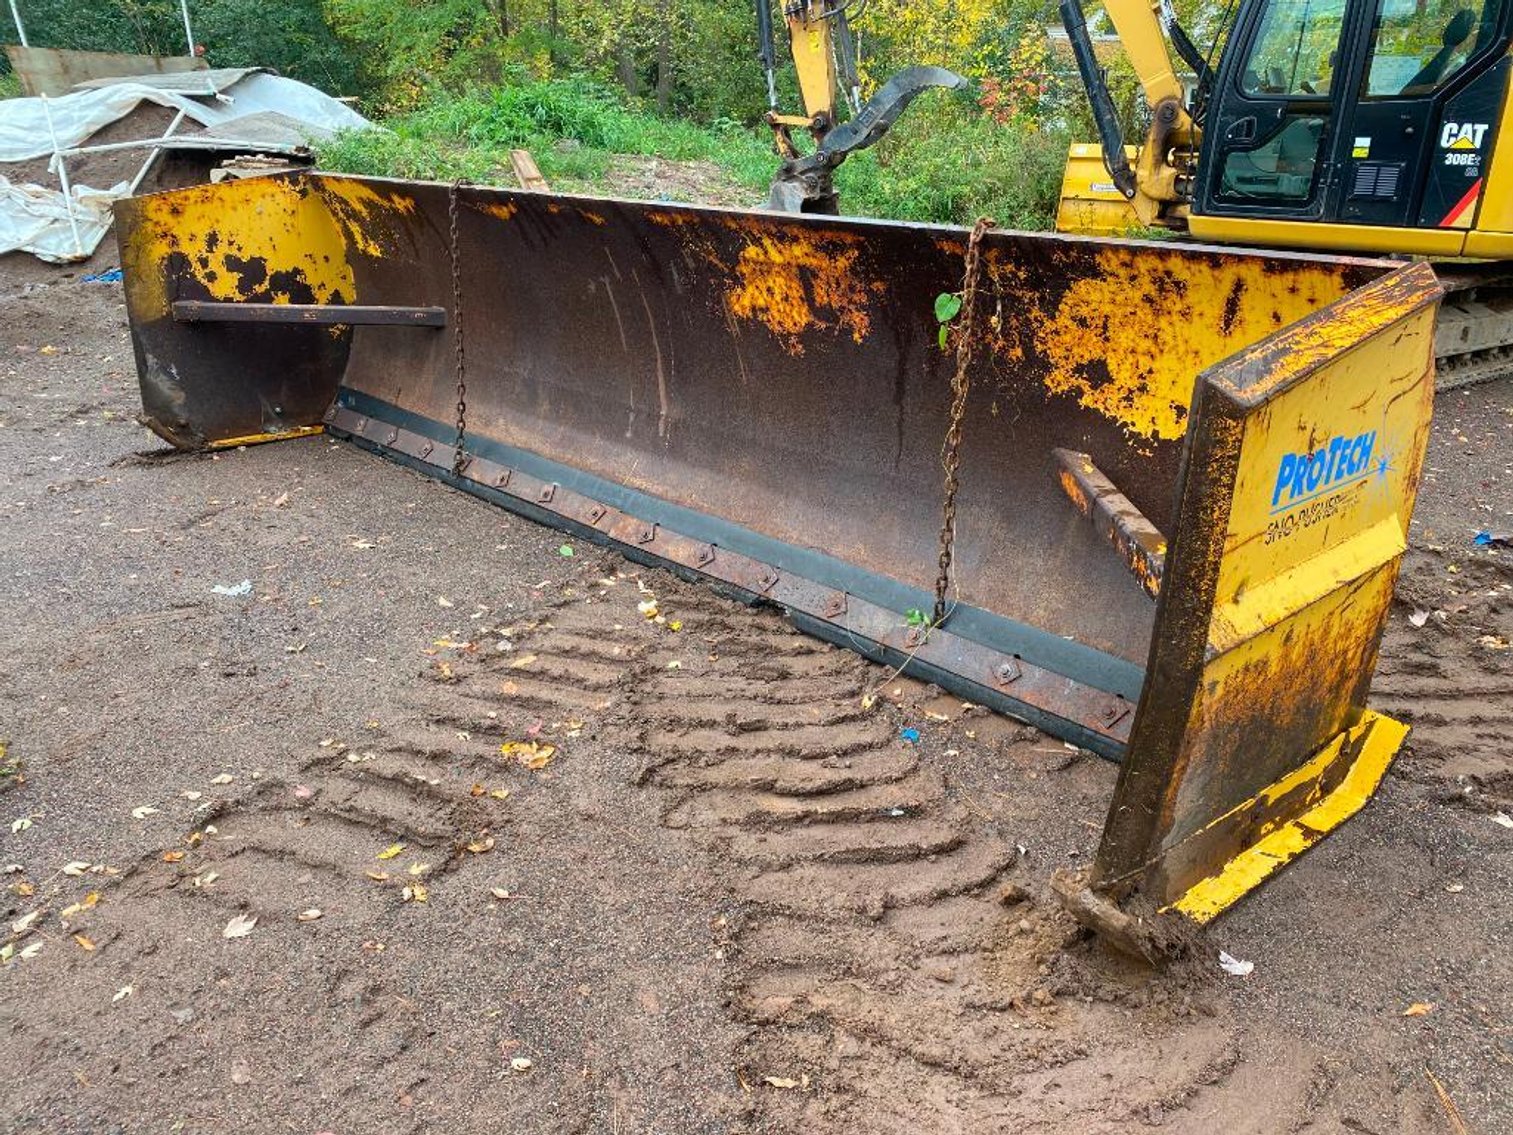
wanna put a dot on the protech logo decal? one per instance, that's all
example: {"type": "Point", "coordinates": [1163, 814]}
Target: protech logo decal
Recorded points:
{"type": "Point", "coordinates": [1310, 485]}
{"type": "Point", "coordinates": [1303, 476]}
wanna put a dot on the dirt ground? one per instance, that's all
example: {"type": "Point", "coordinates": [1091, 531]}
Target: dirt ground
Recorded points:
{"type": "Point", "coordinates": [731, 899]}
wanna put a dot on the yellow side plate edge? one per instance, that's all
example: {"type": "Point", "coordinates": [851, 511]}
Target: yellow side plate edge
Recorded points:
{"type": "Point", "coordinates": [259, 439]}
{"type": "Point", "coordinates": [1210, 897]}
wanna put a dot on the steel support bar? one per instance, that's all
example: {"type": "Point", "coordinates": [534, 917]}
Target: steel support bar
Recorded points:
{"type": "Point", "coordinates": [1115, 516]}
{"type": "Point", "coordinates": [208, 311]}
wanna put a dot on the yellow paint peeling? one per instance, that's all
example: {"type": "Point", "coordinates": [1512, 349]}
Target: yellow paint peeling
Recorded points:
{"type": "Point", "coordinates": [263, 238]}
{"type": "Point", "coordinates": [793, 285]}
{"type": "Point", "coordinates": [1130, 341]}
{"type": "Point", "coordinates": [359, 210]}
{"type": "Point", "coordinates": [504, 210]}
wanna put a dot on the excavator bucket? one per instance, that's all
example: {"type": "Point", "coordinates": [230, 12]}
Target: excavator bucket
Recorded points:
{"type": "Point", "coordinates": [759, 400]}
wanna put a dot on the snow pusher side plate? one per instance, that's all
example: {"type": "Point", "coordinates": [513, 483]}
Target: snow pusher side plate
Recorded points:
{"type": "Point", "coordinates": [760, 400]}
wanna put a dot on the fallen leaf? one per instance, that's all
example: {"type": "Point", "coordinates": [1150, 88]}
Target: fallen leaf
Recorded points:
{"type": "Point", "coordinates": [25, 890]}
{"type": "Point", "coordinates": [77, 867]}
{"type": "Point", "coordinates": [1502, 819]}
{"type": "Point", "coordinates": [675, 624]}
{"type": "Point", "coordinates": [239, 927]}
{"type": "Point", "coordinates": [648, 608]}
{"type": "Point", "coordinates": [309, 915]}
{"type": "Point", "coordinates": [477, 790]}
{"type": "Point", "coordinates": [390, 852]}
{"type": "Point", "coordinates": [191, 795]}
{"type": "Point", "coordinates": [173, 856]}
{"type": "Point", "coordinates": [479, 846]}
{"type": "Point", "coordinates": [377, 876]}
{"type": "Point", "coordinates": [675, 665]}
{"type": "Point", "coordinates": [86, 903]}
{"type": "Point", "coordinates": [416, 892]}
{"type": "Point", "coordinates": [522, 662]}
{"type": "Point", "coordinates": [1455, 888]}
{"type": "Point", "coordinates": [121, 994]}
{"type": "Point", "coordinates": [1419, 617]}
{"type": "Point", "coordinates": [25, 922]}
{"type": "Point", "coordinates": [280, 500]}
{"type": "Point", "coordinates": [20, 825]}
{"type": "Point", "coordinates": [566, 550]}
{"type": "Point", "coordinates": [363, 544]}
{"type": "Point", "coordinates": [521, 1063]}
{"type": "Point", "coordinates": [418, 868]}
{"type": "Point", "coordinates": [143, 812]}
{"type": "Point", "coordinates": [533, 755]}
{"type": "Point", "coordinates": [780, 1082]}
{"type": "Point", "coordinates": [499, 794]}
{"type": "Point", "coordinates": [443, 601]}
{"type": "Point", "coordinates": [30, 952]}
{"type": "Point", "coordinates": [1419, 1009]}
{"type": "Point", "coordinates": [499, 892]}
{"type": "Point", "coordinates": [224, 778]}
{"type": "Point", "coordinates": [206, 879]}
{"type": "Point", "coordinates": [84, 942]}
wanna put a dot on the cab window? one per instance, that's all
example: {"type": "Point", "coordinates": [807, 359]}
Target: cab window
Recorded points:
{"type": "Point", "coordinates": [1417, 46]}
{"type": "Point", "coordinates": [1295, 49]}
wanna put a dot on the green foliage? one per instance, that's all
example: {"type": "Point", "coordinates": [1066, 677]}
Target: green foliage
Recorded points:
{"type": "Point", "coordinates": [948, 162]}
{"type": "Point", "coordinates": [290, 36]}
{"type": "Point", "coordinates": [572, 127]}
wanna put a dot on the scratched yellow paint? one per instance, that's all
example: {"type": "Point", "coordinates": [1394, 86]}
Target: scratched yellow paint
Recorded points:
{"type": "Point", "coordinates": [1130, 340]}
{"type": "Point", "coordinates": [793, 285]}
{"type": "Point", "coordinates": [1375, 741]}
{"type": "Point", "coordinates": [360, 210]}
{"type": "Point", "coordinates": [237, 239]}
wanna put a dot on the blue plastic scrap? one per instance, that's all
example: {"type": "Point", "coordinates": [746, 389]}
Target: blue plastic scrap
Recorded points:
{"type": "Point", "coordinates": [910, 735]}
{"type": "Point", "coordinates": [109, 276]}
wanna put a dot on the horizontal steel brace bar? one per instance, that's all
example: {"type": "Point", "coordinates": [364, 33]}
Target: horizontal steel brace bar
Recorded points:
{"type": "Point", "coordinates": [1099, 720]}
{"type": "Point", "coordinates": [325, 314]}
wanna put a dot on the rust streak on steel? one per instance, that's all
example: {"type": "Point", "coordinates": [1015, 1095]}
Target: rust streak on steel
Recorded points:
{"type": "Point", "coordinates": [1116, 517]}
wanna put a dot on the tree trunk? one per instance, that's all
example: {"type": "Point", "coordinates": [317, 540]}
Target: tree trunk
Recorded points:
{"type": "Point", "coordinates": [628, 78]}
{"type": "Point", "coordinates": [664, 64]}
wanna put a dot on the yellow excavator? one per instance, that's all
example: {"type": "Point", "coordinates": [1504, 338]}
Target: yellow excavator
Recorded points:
{"type": "Point", "coordinates": [1358, 126]}
{"type": "Point", "coordinates": [824, 61]}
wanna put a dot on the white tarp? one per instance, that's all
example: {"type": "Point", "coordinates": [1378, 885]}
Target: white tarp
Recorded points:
{"type": "Point", "coordinates": [35, 218]}
{"type": "Point", "coordinates": [24, 122]}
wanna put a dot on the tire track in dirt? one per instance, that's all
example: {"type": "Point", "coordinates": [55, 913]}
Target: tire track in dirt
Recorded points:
{"type": "Point", "coordinates": [1451, 678]}
{"type": "Point", "coordinates": [887, 973]}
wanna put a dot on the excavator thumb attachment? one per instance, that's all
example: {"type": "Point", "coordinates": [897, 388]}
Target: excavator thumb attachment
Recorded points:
{"type": "Point", "coordinates": [804, 185]}
{"type": "Point", "coordinates": [759, 400]}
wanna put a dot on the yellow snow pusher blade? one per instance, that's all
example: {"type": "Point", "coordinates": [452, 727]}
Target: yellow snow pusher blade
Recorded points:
{"type": "Point", "coordinates": [760, 400]}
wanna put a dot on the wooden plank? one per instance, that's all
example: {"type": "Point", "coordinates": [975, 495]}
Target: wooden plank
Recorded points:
{"type": "Point", "coordinates": [526, 172]}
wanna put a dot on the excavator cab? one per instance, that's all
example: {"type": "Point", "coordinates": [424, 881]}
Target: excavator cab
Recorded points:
{"type": "Point", "coordinates": [1379, 113]}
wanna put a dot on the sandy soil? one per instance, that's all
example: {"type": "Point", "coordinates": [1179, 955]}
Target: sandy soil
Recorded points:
{"type": "Point", "coordinates": [733, 900]}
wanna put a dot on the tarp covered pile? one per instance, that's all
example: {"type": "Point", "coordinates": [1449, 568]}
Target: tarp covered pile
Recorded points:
{"type": "Point", "coordinates": [237, 111]}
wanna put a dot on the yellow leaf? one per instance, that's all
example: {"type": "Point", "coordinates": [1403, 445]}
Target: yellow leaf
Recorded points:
{"type": "Point", "coordinates": [172, 856]}
{"type": "Point", "coordinates": [25, 890]}
{"type": "Point", "coordinates": [477, 790]}
{"type": "Point", "coordinates": [84, 941]}
{"type": "Point", "coordinates": [416, 892]}
{"type": "Point", "coordinates": [479, 846]}
{"type": "Point", "coordinates": [499, 794]}
{"type": "Point", "coordinates": [391, 851]}
{"type": "Point", "coordinates": [377, 876]}
{"type": "Point", "coordinates": [419, 868]}
{"type": "Point", "coordinates": [675, 625]}
{"type": "Point", "coordinates": [531, 754]}
{"type": "Point", "coordinates": [1419, 1009]}
{"type": "Point", "coordinates": [522, 662]}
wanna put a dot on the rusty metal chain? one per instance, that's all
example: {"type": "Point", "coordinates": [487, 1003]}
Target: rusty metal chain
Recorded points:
{"type": "Point", "coordinates": [459, 457]}
{"type": "Point", "coordinates": [950, 454]}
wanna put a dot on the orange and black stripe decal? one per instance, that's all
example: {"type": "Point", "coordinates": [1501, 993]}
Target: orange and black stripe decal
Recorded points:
{"type": "Point", "coordinates": [1460, 216]}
